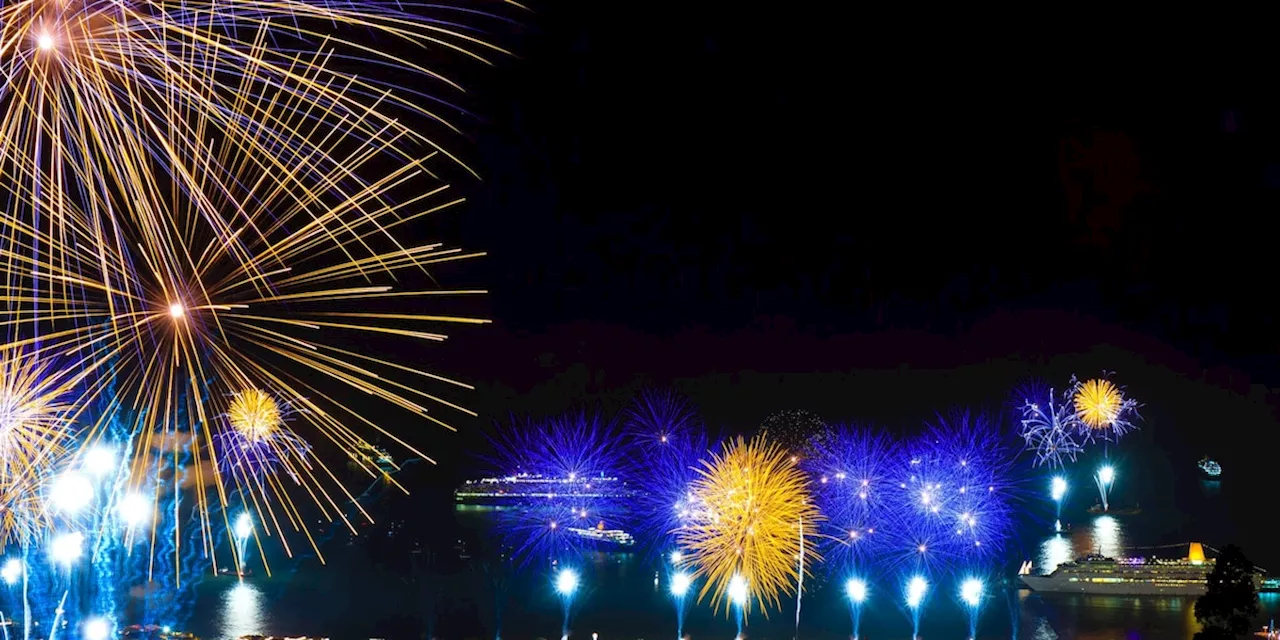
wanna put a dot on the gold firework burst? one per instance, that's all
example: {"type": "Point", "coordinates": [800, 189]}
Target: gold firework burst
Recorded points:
{"type": "Point", "coordinates": [299, 294]}
{"type": "Point", "coordinates": [754, 519]}
{"type": "Point", "coordinates": [1098, 403]}
{"type": "Point", "coordinates": [34, 432]}
{"type": "Point", "coordinates": [254, 415]}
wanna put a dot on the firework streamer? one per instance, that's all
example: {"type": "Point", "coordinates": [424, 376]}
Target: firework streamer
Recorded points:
{"type": "Point", "coordinates": [1049, 426]}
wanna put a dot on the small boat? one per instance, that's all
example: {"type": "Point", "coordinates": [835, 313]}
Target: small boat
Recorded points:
{"type": "Point", "coordinates": [1209, 468]}
{"type": "Point", "coordinates": [1097, 509]}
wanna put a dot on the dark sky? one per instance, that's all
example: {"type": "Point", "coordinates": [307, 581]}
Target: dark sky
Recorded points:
{"type": "Point", "coordinates": [871, 219]}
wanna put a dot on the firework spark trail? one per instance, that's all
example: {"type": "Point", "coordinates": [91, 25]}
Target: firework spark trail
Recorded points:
{"type": "Point", "coordinates": [99, 95]}
{"type": "Point", "coordinates": [751, 497]}
{"type": "Point", "coordinates": [1048, 426]}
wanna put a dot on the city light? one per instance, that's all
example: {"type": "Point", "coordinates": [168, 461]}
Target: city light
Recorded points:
{"type": "Point", "coordinates": [971, 592]}
{"type": "Point", "coordinates": [680, 584]}
{"type": "Point", "coordinates": [916, 590]}
{"type": "Point", "coordinates": [1059, 488]}
{"type": "Point", "coordinates": [566, 582]}
{"type": "Point", "coordinates": [856, 590]}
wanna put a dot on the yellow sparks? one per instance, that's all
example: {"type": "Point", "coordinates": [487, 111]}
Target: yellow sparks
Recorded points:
{"type": "Point", "coordinates": [254, 414]}
{"type": "Point", "coordinates": [1098, 403]}
{"type": "Point", "coordinates": [755, 519]}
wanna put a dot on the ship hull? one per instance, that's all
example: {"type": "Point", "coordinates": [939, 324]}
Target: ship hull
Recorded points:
{"type": "Point", "coordinates": [1049, 584]}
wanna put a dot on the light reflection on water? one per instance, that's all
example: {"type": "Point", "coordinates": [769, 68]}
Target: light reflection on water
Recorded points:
{"type": "Point", "coordinates": [242, 611]}
{"type": "Point", "coordinates": [1104, 535]}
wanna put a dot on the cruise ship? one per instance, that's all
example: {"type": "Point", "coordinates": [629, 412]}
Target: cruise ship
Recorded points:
{"type": "Point", "coordinates": [1127, 576]}
{"type": "Point", "coordinates": [607, 537]}
{"type": "Point", "coordinates": [526, 486]}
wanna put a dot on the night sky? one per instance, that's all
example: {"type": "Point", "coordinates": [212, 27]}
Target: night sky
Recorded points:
{"type": "Point", "coordinates": [770, 209]}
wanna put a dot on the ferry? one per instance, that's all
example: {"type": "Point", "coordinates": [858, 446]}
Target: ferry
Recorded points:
{"type": "Point", "coordinates": [607, 536]}
{"type": "Point", "coordinates": [1126, 576]}
{"type": "Point", "coordinates": [1210, 468]}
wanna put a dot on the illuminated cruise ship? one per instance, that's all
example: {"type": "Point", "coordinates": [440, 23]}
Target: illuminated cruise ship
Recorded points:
{"type": "Point", "coordinates": [1127, 576]}
{"type": "Point", "coordinates": [529, 486]}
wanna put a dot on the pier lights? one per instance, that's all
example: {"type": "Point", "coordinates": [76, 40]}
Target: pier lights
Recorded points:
{"type": "Point", "coordinates": [856, 590]}
{"type": "Point", "coordinates": [11, 571]}
{"type": "Point", "coordinates": [680, 584]}
{"type": "Point", "coordinates": [1058, 488]}
{"type": "Point", "coordinates": [96, 629]}
{"type": "Point", "coordinates": [566, 582]}
{"type": "Point", "coordinates": [917, 587]}
{"type": "Point", "coordinates": [1107, 474]}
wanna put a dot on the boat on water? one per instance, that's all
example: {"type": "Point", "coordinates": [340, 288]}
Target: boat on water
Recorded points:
{"type": "Point", "coordinates": [604, 536]}
{"type": "Point", "coordinates": [1209, 468]}
{"type": "Point", "coordinates": [1099, 574]}
{"type": "Point", "coordinates": [1098, 509]}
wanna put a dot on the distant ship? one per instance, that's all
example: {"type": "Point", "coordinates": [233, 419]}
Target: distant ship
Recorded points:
{"type": "Point", "coordinates": [1210, 468]}
{"type": "Point", "coordinates": [1129, 511]}
{"type": "Point", "coordinates": [1127, 576]}
{"type": "Point", "coordinates": [530, 486]}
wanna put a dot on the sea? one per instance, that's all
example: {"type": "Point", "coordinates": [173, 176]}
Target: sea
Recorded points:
{"type": "Point", "coordinates": [624, 596]}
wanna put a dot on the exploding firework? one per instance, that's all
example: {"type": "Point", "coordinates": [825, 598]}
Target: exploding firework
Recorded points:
{"type": "Point", "coordinates": [35, 432]}
{"type": "Point", "coordinates": [850, 470]}
{"type": "Point", "coordinates": [794, 430]}
{"type": "Point", "coordinates": [572, 477]}
{"type": "Point", "coordinates": [99, 95]}
{"type": "Point", "coordinates": [1101, 409]}
{"type": "Point", "coordinates": [302, 304]}
{"type": "Point", "coordinates": [951, 499]}
{"type": "Point", "coordinates": [1048, 426]}
{"type": "Point", "coordinates": [754, 514]}
{"type": "Point", "coordinates": [670, 441]}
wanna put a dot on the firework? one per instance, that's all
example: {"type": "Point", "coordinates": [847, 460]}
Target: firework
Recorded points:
{"type": "Point", "coordinates": [850, 470]}
{"type": "Point", "coordinates": [98, 97]}
{"type": "Point", "coordinates": [1048, 426]}
{"type": "Point", "coordinates": [1101, 409]}
{"type": "Point", "coordinates": [35, 433]}
{"type": "Point", "coordinates": [669, 440]}
{"type": "Point", "coordinates": [301, 305]}
{"type": "Point", "coordinates": [794, 430]}
{"type": "Point", "coordinates": [951, 499]}
{"type": "Point", "coordinates": [754, 511]}
{"type": "Point", "coordinates": [574, 478]}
